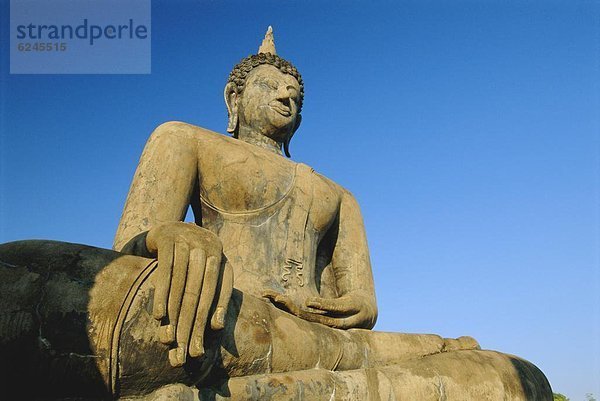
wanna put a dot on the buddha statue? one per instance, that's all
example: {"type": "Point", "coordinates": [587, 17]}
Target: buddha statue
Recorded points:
{"type": "Point", "coordinates": [268, 294]}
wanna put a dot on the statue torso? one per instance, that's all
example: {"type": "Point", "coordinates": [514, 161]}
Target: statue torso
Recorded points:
{"type": "Point", "coordinates": [271, 215]}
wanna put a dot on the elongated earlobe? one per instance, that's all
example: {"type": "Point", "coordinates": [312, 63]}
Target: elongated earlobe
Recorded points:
{"type": "Point", "coordinates": [231, 98]}
{"type": "Point", "coordinates": [286, 143]}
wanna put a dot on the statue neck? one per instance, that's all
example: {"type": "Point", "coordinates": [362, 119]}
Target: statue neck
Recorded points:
{"type": "Point", "coordinates": [259, 139]}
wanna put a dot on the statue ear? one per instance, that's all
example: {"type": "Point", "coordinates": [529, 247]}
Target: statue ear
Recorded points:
{"type": "Point", "coordinates": [298, 121]}
{"type": "Point", "coordinates": [286, 144]}
{"type": "Point", "coordinates": [231, 100]}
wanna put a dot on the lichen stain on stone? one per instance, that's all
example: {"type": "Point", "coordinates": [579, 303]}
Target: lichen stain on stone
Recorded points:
{"type": "Point", "coordinates": [260, 335]}
{"type": "Point", "coordinates": [15, 324]}
{"type": "Point", "coordinates": [140, 332]}
{"type": "Point", "coordinates": [65, 295]}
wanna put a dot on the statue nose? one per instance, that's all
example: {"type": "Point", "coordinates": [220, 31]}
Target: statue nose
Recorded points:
{"type": "Point", "coordinates": [285, 100]}
{"type": "Point", "coordinates": [283, 96]}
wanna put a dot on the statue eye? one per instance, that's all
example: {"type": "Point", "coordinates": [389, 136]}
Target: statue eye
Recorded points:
{"type": "Point", "coordinates": [267, 84]}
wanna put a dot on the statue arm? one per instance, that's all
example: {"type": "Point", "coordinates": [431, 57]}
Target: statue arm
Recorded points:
{"type": "Point", "coordinates": [190, 272]}
{"type": "Point", "coordinates": [162, 186]}
{"type": "Point", "coordinates": [356, 304]}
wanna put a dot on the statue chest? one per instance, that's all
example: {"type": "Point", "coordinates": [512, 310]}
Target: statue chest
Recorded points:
{"type": "Point", "coordinates": [253, 186]}
{"type": "Point", "coordinates": [273, 244]}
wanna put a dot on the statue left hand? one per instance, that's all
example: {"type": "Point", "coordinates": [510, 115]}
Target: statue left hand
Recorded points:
{"type": "Point", "coordinates": [352, 310]}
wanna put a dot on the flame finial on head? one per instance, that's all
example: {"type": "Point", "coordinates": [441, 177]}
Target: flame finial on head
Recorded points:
{"type": "Point", "coordinates": [268, 43]}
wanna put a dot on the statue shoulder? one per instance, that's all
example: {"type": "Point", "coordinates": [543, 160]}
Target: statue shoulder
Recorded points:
{"type": "Point", "coordinates": [182, 130]}
{"type": "Point", "coordinates": [338, 189]}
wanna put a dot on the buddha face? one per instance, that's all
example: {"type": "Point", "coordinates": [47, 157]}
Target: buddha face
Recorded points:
{"type": "Point", "coordinates": [268, 104]}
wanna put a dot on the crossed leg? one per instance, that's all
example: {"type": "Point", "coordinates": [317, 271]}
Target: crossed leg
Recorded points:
{"type": "Point", "coordinates": [265, 353]}
{"type": "Point", "coordinates": [259, 339]}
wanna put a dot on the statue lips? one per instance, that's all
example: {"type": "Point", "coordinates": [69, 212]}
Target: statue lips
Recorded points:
{"type": "Point", "coordinates": [280, 108]}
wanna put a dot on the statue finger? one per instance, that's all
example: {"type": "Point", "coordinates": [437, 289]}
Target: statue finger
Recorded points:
{"type": "Point", "coordinates": [335, 322]}
{"type": "Point", "coordinates": [225, 289]}
{"type": "Point", "coordinates": [189, 304]}
{"type": "Point", "coordinates": [163, 280]}
{"type": "Point", "coordinates": [178, 278]}
{"type": "Point", "coordinates": [209, 287]}
{"type": "Point", "coordinates": [283, 302]}
{"type": "Point", "coordinates": [342, 305]}
{"type": "Point", "coordinates": [270, 294]}
{"type": "Point", "coordinates": [356, 320]}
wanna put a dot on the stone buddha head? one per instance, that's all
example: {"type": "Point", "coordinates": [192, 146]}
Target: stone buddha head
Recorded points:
{"type": "Point", "coordinates": [264, 96]}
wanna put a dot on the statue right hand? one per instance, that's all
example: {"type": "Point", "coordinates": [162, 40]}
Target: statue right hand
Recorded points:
{"type": "Point", "coordinates": [189, 277]}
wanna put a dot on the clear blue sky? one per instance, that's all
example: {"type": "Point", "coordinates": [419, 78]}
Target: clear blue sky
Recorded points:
{"type": "Point", "coordinates": [467, 130]}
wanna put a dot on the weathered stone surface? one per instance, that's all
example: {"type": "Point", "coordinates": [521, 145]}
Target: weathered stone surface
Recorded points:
{"type": "Point", "coordinates": [462, 375]}
{"type": "Point", "coordinates": [268, 296]}
{"type": "Point", "coordinates": [67, 354]}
